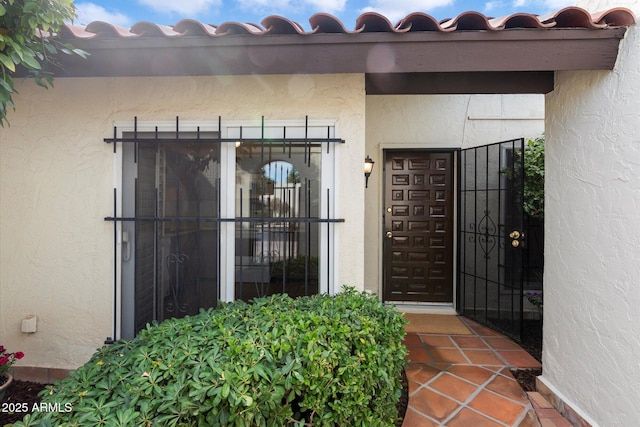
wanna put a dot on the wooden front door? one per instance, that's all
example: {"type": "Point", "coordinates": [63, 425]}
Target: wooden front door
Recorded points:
{"type": "Point", "coordinates": [418, 226]}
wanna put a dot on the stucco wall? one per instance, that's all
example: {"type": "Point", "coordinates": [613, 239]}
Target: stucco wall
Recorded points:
{"type": "Point", "coordinates": [592, 247]}
{"type": "Point", "coordinates": [436, 121]}
{"type": "Point", "coordinates": [56, 187]}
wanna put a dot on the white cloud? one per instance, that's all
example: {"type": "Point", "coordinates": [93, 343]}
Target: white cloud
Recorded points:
{"type": "Point", "coordinates": [289, 7]}
{"type": "Point", "coordinates": [89, 12]}
{"type": "Point", "coordinates": [185, 8]}
{"type": "Point", "coordinates": [558, 4]}
{"type": "Point", "coordinates": [395, 10]}
{"type": "Point", "coordinates": [491, 5]}
{"type": "Point", "coordinates": [543, 5]}
{"type": "Point", "coordinates": [329, 6]}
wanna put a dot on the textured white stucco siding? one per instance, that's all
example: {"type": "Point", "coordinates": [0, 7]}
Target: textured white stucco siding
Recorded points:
{"type": "Point", "coordinates": [436, 121]}
{"type": "Point", "coordinates": [592, 238]}
{"type": "Point", "coordinates": [56, 187]}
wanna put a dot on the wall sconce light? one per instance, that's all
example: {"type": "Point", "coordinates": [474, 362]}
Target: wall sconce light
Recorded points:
{"type": "Point", "coordinates": [368, 167]}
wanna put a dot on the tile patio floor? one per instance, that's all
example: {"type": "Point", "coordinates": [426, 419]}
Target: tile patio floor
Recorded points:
{"type": "Point", "coordinates": [464, 380]}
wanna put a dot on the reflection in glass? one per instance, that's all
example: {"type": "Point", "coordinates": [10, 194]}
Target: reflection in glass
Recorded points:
{"type": "Point", "coordinates": [277, 200]}
{"type": "Point", "coordinates": [176, 256]}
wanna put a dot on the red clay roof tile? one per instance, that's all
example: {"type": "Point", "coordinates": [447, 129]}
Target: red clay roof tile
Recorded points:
{"type": "Point", "coordinates": [323, 23]}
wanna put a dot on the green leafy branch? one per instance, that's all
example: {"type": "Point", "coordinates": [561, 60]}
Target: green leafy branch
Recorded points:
{"type": "Point", "coordinates": [27, 39]}
{"type": "Point", "coordinates": [533, 176]}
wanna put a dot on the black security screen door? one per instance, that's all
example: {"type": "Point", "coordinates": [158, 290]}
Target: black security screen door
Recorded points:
{"type": "Point", "coordinates": [492, 236]}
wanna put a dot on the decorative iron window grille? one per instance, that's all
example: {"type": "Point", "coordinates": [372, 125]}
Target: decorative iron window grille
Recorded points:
{"type": "Point", "coordinates": [174, 225]}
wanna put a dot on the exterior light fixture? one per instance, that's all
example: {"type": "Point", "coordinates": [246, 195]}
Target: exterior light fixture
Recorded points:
{"type": "Point", "coordinates": [368, 167]}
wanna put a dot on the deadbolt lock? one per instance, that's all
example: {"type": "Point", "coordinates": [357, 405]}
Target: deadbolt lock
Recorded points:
{"type": "Point", "coordinates": [389, 234]}
{"type": "Point", "coordinates": [515, 234]}
{"type": "Point", "coordinates": [389, 210]}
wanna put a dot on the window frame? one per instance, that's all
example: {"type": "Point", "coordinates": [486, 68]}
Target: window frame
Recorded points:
{"type": "Point", "coordinates": [245, 129]}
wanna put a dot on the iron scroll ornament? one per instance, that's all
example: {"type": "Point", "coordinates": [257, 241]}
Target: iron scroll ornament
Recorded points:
{"type": "Point", "coordinates": [177, 268]}
{"type": "Point", "coordinates": [485, 232]}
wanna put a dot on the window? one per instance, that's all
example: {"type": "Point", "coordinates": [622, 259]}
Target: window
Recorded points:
{"type": "Point", "coordinates": [208, 213]}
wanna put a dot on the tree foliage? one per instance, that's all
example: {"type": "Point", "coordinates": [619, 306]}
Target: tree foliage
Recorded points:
{"type": "Point", "coordinates": [27, 39]}
{"type": "Point", "coordinates": [533, 164]}
{"type": "Point", "coordinates": [534, 178]}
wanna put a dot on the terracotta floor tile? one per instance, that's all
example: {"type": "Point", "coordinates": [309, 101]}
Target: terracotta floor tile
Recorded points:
{"type": "Point", "coordinates": [506, 372]}
{"type": "Point", "coordinates": [412, 340]}
{"type": "Point", "coordinates": [469, 342]}
{"type": "Point", "coordinates": [508, 388]}
{"type": "Point", "coordinates": [418, 355]}
{"type": "Point", "coordinates": [483, 331]}
{"type": "Point", "coordinates": [413, 386]}
{"type": "Point", "coordinates": [497, 407]}
{"type": "Point", "coordinates": [548, 413]}
{"type": "Point", "coordinates": [437, 341]}
{"type": "Point", "coordinates": [519, 359]}
{"type": "Point", "coordinates": [414, 419]}
{"type": "Point", "coordinates": [422, 375]}
{"type": "Point", "coordinates": [554, 422]}
{"type": "Point", "coordinates": [475, 374]}
{"type": "Point", "coordinates": [538, 401]}
{"type": "Point", "coordinates": [443, 355]}
{"type": "Point", "coordinates": [468, 418]}
{"type": "Point", "coordinates": [483, 357]}
{"type": "Point", "coordinates": [448, 371]}
{"type": "Point", "coordinates": [500, 343]}
{"type": "Point", "coordinates": [453, 387]}
{"type": "Point", "coordinates": [530, 420]}
{"type": "Point", "coordinates": [432, 404]}
{"type": "Point", "coordinates": [443, 366]}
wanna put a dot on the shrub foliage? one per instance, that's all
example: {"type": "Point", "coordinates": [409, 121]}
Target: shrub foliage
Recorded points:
{"type": "Point", "coordinates": [320, 360]}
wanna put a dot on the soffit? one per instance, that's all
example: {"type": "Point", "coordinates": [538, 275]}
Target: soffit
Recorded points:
{"type": "Point", "coordinates": [418, 45]}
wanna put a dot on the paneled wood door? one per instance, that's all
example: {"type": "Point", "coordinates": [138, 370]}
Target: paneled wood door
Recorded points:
{"type": "Point", "coordinates": [418, 226]}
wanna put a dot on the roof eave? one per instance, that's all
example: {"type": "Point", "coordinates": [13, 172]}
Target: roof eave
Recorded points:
{"type": "Point", "coordinates": [425, 52]}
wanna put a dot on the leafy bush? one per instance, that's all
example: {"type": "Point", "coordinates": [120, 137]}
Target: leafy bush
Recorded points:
{"type": "Point", "coordinates": [321, 361]}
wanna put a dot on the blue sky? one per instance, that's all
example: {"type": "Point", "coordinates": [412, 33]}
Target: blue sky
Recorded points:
{"type": "Point", "coordinates": [167, 12]}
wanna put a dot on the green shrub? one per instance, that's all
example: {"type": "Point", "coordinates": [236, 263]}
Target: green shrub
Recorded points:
{"type": "Point", "coordinates": [321, 361]}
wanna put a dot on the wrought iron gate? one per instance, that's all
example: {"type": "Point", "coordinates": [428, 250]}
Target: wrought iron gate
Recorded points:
{"type": "Point", "coordinates": [492, 231]}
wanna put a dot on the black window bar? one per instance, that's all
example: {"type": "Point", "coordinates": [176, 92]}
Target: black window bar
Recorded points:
{"type": "Point", "coordinates": [265, 146]}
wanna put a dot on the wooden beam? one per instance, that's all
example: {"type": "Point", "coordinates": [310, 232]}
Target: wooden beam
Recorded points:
{"type": "Point", "coordinates": [459, 83]}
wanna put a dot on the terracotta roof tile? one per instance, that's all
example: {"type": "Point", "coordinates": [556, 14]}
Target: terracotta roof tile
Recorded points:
{"type": "Point", "coordinates": [372, 22]}
{"type": "Point", "coordinates": [235, 28]}
{"type": "Point", "coordinates": [468, 21]}
{"type": "Point", "coordinates": [279, 25]}
{"type": "Point", "coordinates": [327, 24]}
{"type": "Point", "coordinates": [571, 17]}
{"type": "Point", "coordinates": [190, 27]}
{"type": "Point", "coordinates": [323, 23]}
{"type": "Point", "coordinates": [149, 29]}
{"type": "Point", "coordinates": [617, 17]}
{"type": "Point", "coordinates": [420, 21]}
{"type": "Point", "coordinates": [519, 20]}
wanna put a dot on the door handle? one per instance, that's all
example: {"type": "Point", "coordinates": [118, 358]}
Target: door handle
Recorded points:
{"type": "Point", "coordinates": [126, 255]}
{"type": "Point", "coordinates": [389, 234]}
{"type": "Point", "coordinates": [516, 236]}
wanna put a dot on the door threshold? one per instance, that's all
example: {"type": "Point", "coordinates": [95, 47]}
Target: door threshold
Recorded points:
{"type": "Point", "coordinates": [424, 308]}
